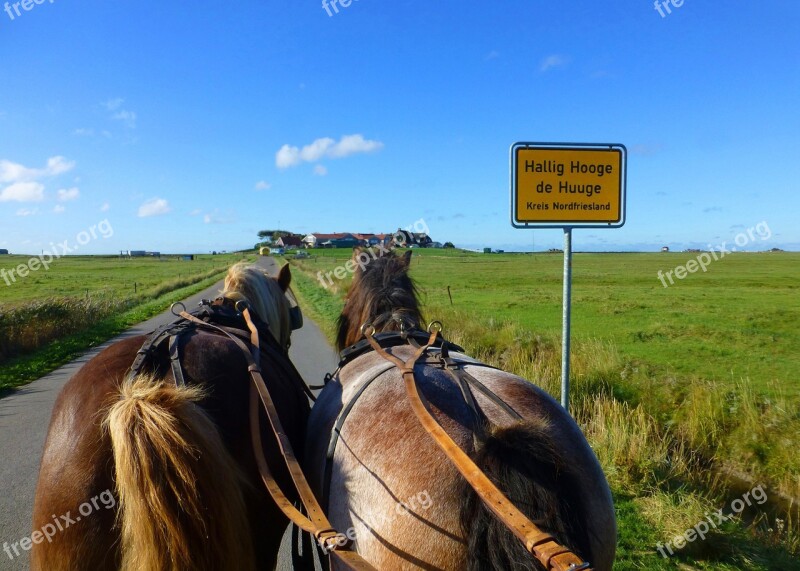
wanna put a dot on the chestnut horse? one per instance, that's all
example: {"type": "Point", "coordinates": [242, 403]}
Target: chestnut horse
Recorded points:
{"type": "Point", "coordinates": [386, 481]}
{"type": "Point", "coordinates": [170, 462]}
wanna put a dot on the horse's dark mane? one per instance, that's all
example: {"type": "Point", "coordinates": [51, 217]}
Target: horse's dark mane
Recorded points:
{"type": "Point", "coordinates": [382, 294]}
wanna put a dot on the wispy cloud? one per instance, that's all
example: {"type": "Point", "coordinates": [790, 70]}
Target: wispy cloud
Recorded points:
{"type": "Point", "coordinates": [105, 207]}
{"type": "Point", "coordinates": [67, 194]}
{"type": "Point", "coordinates": [113, 104]}
{"type": "Point", "coordinates": [127, 117]}
{"type": "Point", "coordinates": [263, 185]}
{"type": "Point", "coordinates": [59, 208]}
{"type": "Point", "coordinates": [552, 61]}
{"type": "Point", "coordinates": [290, 156]}
{"type": "Point", "coordinates": [320, 170]}
{"type": "Point", "coordinates": [217, 217]}
{"type": "Point", "coordinates": [646, 149]}
{"type": "Point", "coordinates": [494, 54]}
{"type": "Point", "coordinates": [15, 172]}
{"type": "Point", "coordinates": [154, 207]}
{"type": "Point", "coordinates": [23, 192]}
{"type": "Point", "coordinates": [27, 211]}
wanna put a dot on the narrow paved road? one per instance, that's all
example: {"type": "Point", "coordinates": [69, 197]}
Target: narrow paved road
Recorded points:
{"type": "Point", "coordinates": [25, 414]}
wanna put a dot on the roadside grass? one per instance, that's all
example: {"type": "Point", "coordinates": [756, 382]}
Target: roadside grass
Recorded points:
{"type": "Point", "coordinates": [662, 437]}
{"type": "Point", "coordinates": [40, 336]}
{"type": "Point", "coordinates": [98, 276]}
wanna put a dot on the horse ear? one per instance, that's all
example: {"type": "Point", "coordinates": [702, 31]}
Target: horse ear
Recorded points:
{"type": "Point", "coordinates": [284, 277]}
{"type": "Point", "coordinates": [357, 252]}
{"type": "Point", "coordinates": [407, 258]}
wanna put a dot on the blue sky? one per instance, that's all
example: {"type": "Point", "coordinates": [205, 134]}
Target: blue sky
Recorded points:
{"type": "Point", "coordinates": [191, 128]}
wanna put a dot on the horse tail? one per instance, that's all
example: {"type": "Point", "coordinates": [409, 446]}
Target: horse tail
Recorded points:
{"type": "Point", "coordinates": [523, 461]}
{"type": "Point", "coordinates": [181, 504]}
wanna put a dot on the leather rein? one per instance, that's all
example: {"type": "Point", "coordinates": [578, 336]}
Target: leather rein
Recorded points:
{"type": "Point", "coordinates": [543, 546]}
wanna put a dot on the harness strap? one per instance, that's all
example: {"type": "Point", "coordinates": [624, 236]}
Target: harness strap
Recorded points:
{"type": "Point", "coordinates": [316, 522]}
{"type": "Point", "coordinates": [337, 430]}
{"type": "Point", "coordinates": [540, 544]}
{"type": "Point", "coordinates": [175, 360]}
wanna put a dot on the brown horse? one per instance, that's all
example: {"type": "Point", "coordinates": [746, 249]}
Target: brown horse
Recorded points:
{"type": "Point", "coordinates": [147, 473]}
{"type": "Point", "coordinates": [385, 480]}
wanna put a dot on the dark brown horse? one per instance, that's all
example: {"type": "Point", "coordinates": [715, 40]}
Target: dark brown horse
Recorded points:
{"type": "Point", "coordinates": [150, 474]}
{"type": "Point", "coordinates": [391, 487]}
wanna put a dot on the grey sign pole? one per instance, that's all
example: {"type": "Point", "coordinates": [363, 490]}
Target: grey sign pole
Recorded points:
{"type": "Point", "coordinates": [566, 318]}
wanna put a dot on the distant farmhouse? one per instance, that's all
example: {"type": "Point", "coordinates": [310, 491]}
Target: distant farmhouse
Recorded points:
{"type": "Point", "coordinates": [289, 242]}
{"type": "Point", "coordinates": [143, 254]}
{"type": "Point", "coordinates": [350, 240]}
{"type": "Point", "coordinates": [3, 252]}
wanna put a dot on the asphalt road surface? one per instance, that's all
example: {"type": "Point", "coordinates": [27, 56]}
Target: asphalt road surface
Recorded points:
{"type": "Point", "coordinates": [25, 415]}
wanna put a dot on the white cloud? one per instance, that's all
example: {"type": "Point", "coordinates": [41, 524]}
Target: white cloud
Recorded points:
{"type": "Point", "coordinates": [289, 156]}
{"type": "Point", "coordinates": [27, 211]}
{"type": "Point", "coordinates": [552, 61]}
{"type": "Point", "coordinates": [127, 117]}
{"type": "Point", "coordinates": [216, 217]}
{"type": "Point", "coordinates": [114, 106]}
{"type": "Point", "coordinates": [23, 192]}
{"type": "Point", "coordinates": [263, 185]}
{"type": "Point", "coordinates": [15, 172]}
{"type": "Point", "coordinates": [84, 132]}
{"type": "Point", "coordinates": [154, 207]}
{"type": "Point", "coordinates": [196, 212]}
{"type": "Point", "coordinates": [59, 208]}
{"type": "Point", "coordinates": [67, 194]}
{"type": "Point", "coordinates": [106, 207]}
{"type": "Point", "coordinates": [320, 170]}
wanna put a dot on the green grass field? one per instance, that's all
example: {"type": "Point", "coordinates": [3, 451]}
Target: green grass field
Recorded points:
{"type": "Point", "coordinates": [738, 320]}
{"type": "Point", "coordinates": [96, 276]}
{"type": "Point", "coordinates": [673, 387]}
{"type": "Point", "coordinates": [52, 315]}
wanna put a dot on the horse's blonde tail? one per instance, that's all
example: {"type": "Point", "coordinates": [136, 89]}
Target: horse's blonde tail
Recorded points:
{"type": "Point", "coordinates": [181, 504]}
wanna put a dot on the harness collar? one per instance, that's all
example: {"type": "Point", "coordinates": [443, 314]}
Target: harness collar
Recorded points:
{"type": "Point", "coordinates": [393, 339]}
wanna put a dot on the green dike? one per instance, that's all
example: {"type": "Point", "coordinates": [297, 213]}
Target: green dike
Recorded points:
{"type": "Point", "coordinates": [653, 499]}
{"type": "Point", "coordinates": [21, 370]}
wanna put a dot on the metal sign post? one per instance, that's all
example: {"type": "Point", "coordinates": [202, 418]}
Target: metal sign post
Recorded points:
{"type": "Point", "coordinates": [566, 318]}
{"type": "Point", "coordinates": [568, 185]}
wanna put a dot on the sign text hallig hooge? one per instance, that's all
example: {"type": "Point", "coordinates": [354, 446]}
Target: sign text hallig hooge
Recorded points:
{"type": "Point", "coordinates": [569, 186]}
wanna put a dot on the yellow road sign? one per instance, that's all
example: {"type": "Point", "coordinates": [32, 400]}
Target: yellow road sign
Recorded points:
{"type": "Point", "coordinates": [555, 185]}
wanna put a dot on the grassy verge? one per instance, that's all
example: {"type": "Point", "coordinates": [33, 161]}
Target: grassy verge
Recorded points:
{"type": "Point", "coordinates": [657, 439]}
{"type": "Point", "coordinates": [23, 369]}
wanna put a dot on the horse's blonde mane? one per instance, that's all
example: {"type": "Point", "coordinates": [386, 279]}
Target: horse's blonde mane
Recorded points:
{"type": "Point", "coordinates": [265, 296]}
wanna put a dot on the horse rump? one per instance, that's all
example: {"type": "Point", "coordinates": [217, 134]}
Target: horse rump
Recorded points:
{"type": "Point", "coordinates": [522, 460]}
{"type": "Point", "coordinates": [181, 504]}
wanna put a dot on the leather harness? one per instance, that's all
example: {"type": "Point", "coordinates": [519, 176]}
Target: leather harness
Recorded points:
{"type": "Point", "coordinates": [543, 546]}
{"type": "Point", "coordinates": [220, 318]}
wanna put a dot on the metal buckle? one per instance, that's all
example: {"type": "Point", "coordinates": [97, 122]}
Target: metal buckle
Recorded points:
{"type": "Point", "coordinates": [174, 305]}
